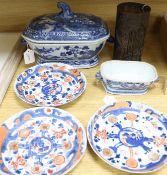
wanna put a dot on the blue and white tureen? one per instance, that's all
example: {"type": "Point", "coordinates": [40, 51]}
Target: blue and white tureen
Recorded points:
{"type": "Point", "coordinates": [67, 37]}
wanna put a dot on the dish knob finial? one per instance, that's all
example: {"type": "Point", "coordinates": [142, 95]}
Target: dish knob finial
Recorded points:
{"type": "Point", "coordinates": [66, 10]}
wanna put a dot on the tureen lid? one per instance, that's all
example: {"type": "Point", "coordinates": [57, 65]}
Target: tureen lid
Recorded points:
{"type": "Point", "coordinates": [66, 26]}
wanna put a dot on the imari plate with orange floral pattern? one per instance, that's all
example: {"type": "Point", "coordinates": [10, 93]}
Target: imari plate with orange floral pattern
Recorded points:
{"type": "Point", "coordinates": [42, 140]}
{"type": "Point", "coordinates": [129, 136]}
{"type": "Point", "coordinates": [50, 84]}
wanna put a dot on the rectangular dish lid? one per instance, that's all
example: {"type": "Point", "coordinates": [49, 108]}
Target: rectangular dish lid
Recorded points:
{"type": "Point", "coordinates": [65, 26]}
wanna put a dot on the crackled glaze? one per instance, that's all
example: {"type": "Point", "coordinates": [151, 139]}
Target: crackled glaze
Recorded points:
{"type": "Point", "coordinates": [129, 136]}
{"type": "Point", "coordinates": [42, 140]}
{"type": "Point", "coordinates": [50, 84]}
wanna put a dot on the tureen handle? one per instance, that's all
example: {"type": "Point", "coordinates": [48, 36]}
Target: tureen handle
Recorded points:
{"type": "Point", "coordinates": [98, 76]}
{"type": "Point", "coordinates": [66, 11]}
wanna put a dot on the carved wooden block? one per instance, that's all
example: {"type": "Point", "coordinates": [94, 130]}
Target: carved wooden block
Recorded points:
{"type": "Point", "coordinates": [131, 24]}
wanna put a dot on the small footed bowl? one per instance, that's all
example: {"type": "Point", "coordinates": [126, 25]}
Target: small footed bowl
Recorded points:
{"type": "Point", "coordinates": [127, 77]}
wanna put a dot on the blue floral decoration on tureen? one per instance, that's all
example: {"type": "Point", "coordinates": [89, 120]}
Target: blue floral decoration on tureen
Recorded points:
{"type": "Point", "coordinates": [66, 25]}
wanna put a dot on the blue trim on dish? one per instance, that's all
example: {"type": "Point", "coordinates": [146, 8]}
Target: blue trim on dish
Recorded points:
{"type": "Point", "coordinates": [123, 89]}
{"type": "Point", "coordinates": [83, 63]}
{"type": "Point", "coordinates": [116, 87]}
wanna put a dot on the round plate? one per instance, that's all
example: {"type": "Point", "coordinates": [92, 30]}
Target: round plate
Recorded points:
{"type": "Point", "coordinates": [129, 136]}
{"type": "Point", "coordinates": [50, 84]}
{"type": "Point", "coordinates": [42, 140]}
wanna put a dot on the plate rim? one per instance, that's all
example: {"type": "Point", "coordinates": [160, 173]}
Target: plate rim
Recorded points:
{"type": "Point", "coordinates": [38, 105]}
{"type": "Point", "coordinates": [103, 159]}
{"type": "Point", "coordinates": [53, 108]}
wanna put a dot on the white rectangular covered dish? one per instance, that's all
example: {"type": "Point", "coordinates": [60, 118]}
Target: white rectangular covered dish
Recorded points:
{"type": "Point", "coordinates": [67, 37]}
{"type": "Point", "coordinates": [127, 77]}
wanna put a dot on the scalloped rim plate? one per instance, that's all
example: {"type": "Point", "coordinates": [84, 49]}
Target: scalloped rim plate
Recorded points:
{"type": "Point", "coordinates": [129, 136]}
{"type": "Point", "coordinates": [50, 84]}
{"type": "Point", "coordinates": [41, 140]}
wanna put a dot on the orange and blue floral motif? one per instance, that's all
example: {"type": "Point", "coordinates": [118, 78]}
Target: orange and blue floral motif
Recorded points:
{"type": "Point", "coordinates": [20, 161]}
{"type": "Point", "coordinates": [129, 136]}
{"type": "Point", "coordinates": [59, 134]}
{"type": "Point", "coordinates": [41, 140]}
{"type": "Point", "coordinates": [50, 84]}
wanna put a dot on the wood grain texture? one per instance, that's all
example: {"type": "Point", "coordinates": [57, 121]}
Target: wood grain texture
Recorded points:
{"type": "Point", "coordinates": [131, 26]}
{"type": "Point", "coordinates": [14, 15]}
{"type": "Point", "coordinates": [85, 106]}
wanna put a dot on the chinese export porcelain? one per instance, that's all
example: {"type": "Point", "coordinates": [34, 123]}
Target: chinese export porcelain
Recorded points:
{"type": "Point", "coordinates": [41, 140]}
{"type": "Point", "coordinates": [67, 37]}
{"type": "Point", "coordinates": [127, 77]}
{"type": "Point", "coordinates": [50, 84]}
{"type": "Point", "coordinates": [129, 136]}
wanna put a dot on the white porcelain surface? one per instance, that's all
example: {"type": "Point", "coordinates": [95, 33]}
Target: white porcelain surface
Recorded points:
{"type": "Point", "coordinates": [50, 84]}
{"type": "Point", "coordinates": [127, 77]}
{"type": "Point", "coordinates": [79, 54]}
{"type": "Point", "coordinates": [67, 37]}
{"type": "Point", "coordinates": [129, 136]}
{"type": "Point", "coordinates": [129, 71]}
{"type": "Point", "coordinates": [41, 141]}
